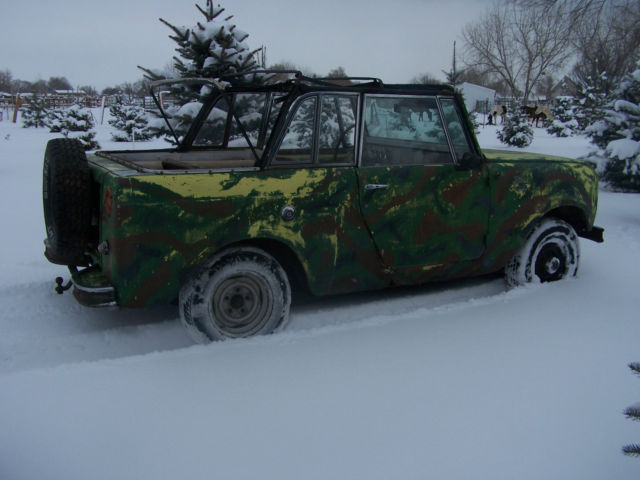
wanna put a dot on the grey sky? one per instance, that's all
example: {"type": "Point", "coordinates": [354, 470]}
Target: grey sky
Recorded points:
{"type": "Point", "coordinates": [100, 43]}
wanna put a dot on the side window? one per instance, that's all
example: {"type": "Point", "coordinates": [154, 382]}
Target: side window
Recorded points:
{"type": "Point", "coordinates": [455, 127]}
{"type": "Point", "coordinates": [297, 144]}
{"type": "Point", "coordinates": [404, 131]}
{"type": "Point", "coordinates": [337, 129]}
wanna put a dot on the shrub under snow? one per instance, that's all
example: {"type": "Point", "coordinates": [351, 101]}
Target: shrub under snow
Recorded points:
{"type": "Point", "coordinates": [516, 131]}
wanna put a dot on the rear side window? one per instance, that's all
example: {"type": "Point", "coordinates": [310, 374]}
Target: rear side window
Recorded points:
{"type": "Point", "coordinates": [320, 131]}
{"type": "Point", "coordinates": [297, 144]}
{"type": "Point", "coordinates": [337, 129]}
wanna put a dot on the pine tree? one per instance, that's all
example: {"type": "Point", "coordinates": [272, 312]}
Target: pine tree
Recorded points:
{"type": "Point", "coordinates": [589, 102]}
{"type": "Point", "coordinates": [35, 112]}
{"type": "Point", "coordinates": [633, 413]}
{"type": "Point", "coordinates": [564, 123]}
{"type": "Point", "coordinates": [209, 49]}
{"type": "Point", "coordinates": [516, 131]}
{"type": "Point", "coordinates": [74, 122]}
{"type": "Point", "coordinates": [130, 122]}
{"type": "Point", "coordinates": [53, 120]}
{"type": "Point", "coordinates": [617, 135]}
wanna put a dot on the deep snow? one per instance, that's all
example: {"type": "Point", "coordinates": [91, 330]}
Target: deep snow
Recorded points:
{"type": "Point", "coordinates": [456, 381]}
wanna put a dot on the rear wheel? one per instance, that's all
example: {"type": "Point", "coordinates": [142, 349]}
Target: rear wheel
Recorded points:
{"type": "Point", "coordinates": [551, 252]}
{"type": "Point", "coordinates": [241, 293]}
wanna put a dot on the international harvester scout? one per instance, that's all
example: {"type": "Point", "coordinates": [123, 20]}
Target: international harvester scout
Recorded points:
{"type": "Point", "coordinates": [278, 180]}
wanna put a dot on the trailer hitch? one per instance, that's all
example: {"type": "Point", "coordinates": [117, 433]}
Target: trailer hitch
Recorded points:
{"type": "Point", "coordinates": [60, 288]}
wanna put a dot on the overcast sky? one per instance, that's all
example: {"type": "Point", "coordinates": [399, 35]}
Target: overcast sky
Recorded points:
{"type": "Point", "coordinates": [101, 43]}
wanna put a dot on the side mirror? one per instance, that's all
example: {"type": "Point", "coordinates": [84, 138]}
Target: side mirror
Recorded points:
{"type": "Point", "coordinates": [469, 161]}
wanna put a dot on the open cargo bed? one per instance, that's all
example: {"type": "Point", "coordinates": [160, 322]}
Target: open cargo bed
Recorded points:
{"type": "Point", "coordinates": [229, 158]}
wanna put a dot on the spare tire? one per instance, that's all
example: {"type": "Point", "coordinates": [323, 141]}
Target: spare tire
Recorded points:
{"type": "Point", "coordinates": [66, 195]}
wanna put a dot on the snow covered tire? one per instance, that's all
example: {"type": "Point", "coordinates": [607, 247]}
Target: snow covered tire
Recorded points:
{"type": "Point", "coordinates": [551, 252]}
{"type": "Point", "coordinates": [242, 292]}
{"type": "Point", "coordinates": [66, 195]}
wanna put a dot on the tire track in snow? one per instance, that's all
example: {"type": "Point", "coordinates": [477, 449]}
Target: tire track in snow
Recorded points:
{"type": "Point", "coordinates": [43, 329]}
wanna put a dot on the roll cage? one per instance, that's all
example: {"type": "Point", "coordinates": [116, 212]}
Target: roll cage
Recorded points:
{"type": "Point", "coordinates": [283, 87]}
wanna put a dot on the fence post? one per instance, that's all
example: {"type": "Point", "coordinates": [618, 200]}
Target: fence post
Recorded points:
{"type": "Point", "coordinates": [102, 117]}
{"type": "Point", "coordinates": [16, 107]}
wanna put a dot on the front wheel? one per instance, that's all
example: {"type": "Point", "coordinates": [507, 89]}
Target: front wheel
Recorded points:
{"type": "Point", "coordinates": [551, 252]}
{"type": "Point", "coordinates": [242, 292]}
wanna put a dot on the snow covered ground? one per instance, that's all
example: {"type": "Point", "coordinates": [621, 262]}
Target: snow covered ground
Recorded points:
{"type": "Point", "coordinates": [456, 381]}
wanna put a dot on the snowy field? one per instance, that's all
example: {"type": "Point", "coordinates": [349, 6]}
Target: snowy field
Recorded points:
{"type": "Point", "coordinates": [458, 381]}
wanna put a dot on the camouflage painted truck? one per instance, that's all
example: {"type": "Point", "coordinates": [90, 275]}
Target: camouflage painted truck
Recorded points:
{"type": "Point", "coordinates": [279, 180]}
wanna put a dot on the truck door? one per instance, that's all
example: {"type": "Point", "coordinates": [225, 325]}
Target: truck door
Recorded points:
{"type": "Point", "coordinates": [311, 185]}
{"type": "Point", "coordinates": [423, 209]}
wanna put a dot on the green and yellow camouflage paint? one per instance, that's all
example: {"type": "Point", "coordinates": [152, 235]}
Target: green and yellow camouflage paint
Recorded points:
{"type": "Point", "coordinates": [400, 206]}
{"type": "Point", "coordinates": [434, 222]}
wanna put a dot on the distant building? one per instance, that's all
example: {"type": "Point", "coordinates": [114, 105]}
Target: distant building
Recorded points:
{"type": "Point", "coordinates": [477, 98]}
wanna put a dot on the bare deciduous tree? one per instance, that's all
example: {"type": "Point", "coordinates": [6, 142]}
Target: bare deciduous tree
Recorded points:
{"type": "Point", "coordinates": [6, 80]}
{"type": "Point", "coordinates": [519, 45]}
{"type": "Point", "coordinates": [607, 42]}
{"type": "Point", "coordinates": [605, 35]}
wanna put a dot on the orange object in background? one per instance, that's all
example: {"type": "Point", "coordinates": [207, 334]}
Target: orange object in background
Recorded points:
{"type": "Point", "coordinates": [16, 107]}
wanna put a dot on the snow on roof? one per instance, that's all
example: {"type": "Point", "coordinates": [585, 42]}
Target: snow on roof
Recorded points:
{"type": "Point", "coordinates": [473, 86]}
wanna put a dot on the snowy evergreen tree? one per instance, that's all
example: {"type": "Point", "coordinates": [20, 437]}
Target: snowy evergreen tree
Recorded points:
{"type": "Point", "coordinates": [74, 122]}
{"type": "Point", "coordinates": [516, 131]}
{"type": "Point", "coordinates": [209, 49]}
{"type": "Point", "coordinates": [130, 122]}
{"type": "Point", "coordinates": [35, 112]}
{"type": "Point", "coordinates": [589, 102]}
{"type": "Point", "coordinates": [633, 413]}
{"type": "Point", "coordinates": [565, 123]}
{"type": "Point", "coordinates": [53, 119]}
{"type": "Point", "coordinates": [618, 135]}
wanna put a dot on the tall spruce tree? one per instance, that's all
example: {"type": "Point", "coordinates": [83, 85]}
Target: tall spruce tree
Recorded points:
{"type": "Point", "coordinates": [209, 49]}
{"type": "Point", "coordinates": [618, 135]}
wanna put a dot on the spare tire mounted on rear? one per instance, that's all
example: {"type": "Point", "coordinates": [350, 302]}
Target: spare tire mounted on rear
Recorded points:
{"type": "Point", "coordinates": [66, 194]}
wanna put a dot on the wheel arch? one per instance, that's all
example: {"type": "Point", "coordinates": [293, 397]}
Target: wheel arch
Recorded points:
{"type": "Point", "coordinates": [574, 216]}
{"type": "Point", "coordinates": [283, 253]}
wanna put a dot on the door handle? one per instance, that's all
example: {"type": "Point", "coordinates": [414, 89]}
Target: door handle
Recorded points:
{"type": "Point", "coordinates": [375, 186]}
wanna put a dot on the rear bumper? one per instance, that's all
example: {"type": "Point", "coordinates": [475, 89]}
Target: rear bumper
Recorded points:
{"type": "Point", "coordinates": [596, 234]}
{"type": "Point", "coordinates": [91, 288]}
